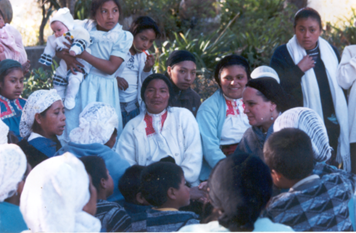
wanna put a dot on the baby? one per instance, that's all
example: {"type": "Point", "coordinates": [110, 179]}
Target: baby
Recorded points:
{"type": "Point", "coordinates": [65, 82]}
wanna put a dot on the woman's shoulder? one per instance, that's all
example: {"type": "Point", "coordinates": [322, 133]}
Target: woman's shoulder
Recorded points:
{"type": "Point", "coordinates": [183, 113]}
{"type": "Point", "coordinates": [282, 49]}
{"type": "Point", "coordinates": [213, 102]}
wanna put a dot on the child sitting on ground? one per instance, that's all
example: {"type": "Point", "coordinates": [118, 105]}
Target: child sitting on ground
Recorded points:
{"type": "Point", "coordinates": [163, 186]}
{"type": "Point", "coordinates": [65, 82]}
{"type": "Point", "coordinates": [313, 203]}
{"type": "Point", "coordinates": [113, 217]}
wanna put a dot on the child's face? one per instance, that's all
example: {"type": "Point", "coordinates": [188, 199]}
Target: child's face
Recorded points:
{"type": "Point", "coordinates": [107, 16]}
{"type": "Point", "coordinates": [144, 40]}
{"type": "Point", "coordinates": [12, 85]}
{"type": "Point", "coordinates": [2, 22]}
{"type": "Point", "coordinates": [183, 194]}
{"type": "Point", "coordinates": [58, 28]}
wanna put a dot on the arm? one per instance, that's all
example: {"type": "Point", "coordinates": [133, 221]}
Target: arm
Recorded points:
{"type": "Point", "coordinates": [346, 74]}
{"type": "Point", "coordinates": [108, 66]}
{"type": "Point", "coordinates": [126, 146]}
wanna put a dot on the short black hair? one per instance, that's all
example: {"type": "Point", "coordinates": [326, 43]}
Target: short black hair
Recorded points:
{"type": "Point", "coordinates": [8, 71]}
{"type": "Point", "coordinates": [231, 60]}
{"type": "Point", "coordinates": [158, 76]}
{"type": "Point", "coordinates": [157, 178]}
{"type": "Point", "coordinates": [95, 166]}
{"type": "Point", "coordinates": [290, 153]}
{"type": "Point", "coordinates": [144, 23]}
{"type": "Point", "coordinates": [96, 4]}
{"type": "Point", "coordinates": [129, 183]}
{"type": "Point", "coordinates": [305, 13]}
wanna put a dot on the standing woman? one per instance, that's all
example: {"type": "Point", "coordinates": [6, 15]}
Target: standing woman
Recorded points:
{"type": "Point", "coordinates": [137, 67]}
{"type": "Point", "coordinates": [307, 67]}
{"type": "Point", "coordinates": [221, 117]}
{"type": "Point", "coordinates": [181, 70]}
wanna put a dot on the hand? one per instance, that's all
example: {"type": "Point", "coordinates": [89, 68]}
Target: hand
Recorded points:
{"type": "Point", "coordinates": [306, 63]}
{"type": "Point", "coordinates": [71, 62]}
{"type": "Point", "coordinates": [122, 83]}
{"type": "Point", "coordinates": [198, 194]}
{"type": "Point", "coordinates": [26, 67]}
{"type": "Point", "coordinates": [150, 61]}
{"type": "Point", "coordinates": [204, 186]}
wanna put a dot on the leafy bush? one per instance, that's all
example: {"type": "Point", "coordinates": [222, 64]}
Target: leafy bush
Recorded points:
{"type": "Point", "coordinates": [38, 79]}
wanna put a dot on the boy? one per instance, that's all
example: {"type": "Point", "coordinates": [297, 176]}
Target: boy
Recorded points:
{"type": "Point", "coordinates": [313, 203]}
{"type": "Point", "coordinates": [112, 216]}
{"type": "Point", "coordinates": [163, 186]}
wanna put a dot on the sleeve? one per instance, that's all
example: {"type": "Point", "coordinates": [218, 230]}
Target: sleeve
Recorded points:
{"type": "Point", "coordinates": [346, 74]}
{"type": "Point", "coordinates": [120, 221]}
{"type": "Point", "coordinates": [193, 154]}
{"type": "Point", "coordinates": [19, 44]}
{"type": "Point", "coordinates": [123, 45]}
{"type": "Point", "coordinates": [126, 145]}
{"type": "Point", "coordinates": [49, 52]}
{"type": "Point", "coordinates": [208, 125]}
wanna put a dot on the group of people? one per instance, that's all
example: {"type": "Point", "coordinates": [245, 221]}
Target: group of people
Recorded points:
{"type": "Point", "coordinates": [116, 147]}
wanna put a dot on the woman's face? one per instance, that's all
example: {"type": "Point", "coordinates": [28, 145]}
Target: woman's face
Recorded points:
{"type": "Point", "coordinates": [182, 74]}
{"type": "Point", "coordinates": [12, 85]}
{"type": "Point", "coordinates": [144, 40]}
{"type": "Point", "coordinates": [258, 111]}
{"type": "Point", "coordinates": [307, 32]}
{"type": "Point", "coordinates": [156, 96]}
{"type": "Point", "coordinates": [53, 122]}
{"type": "Point", "coordinates": [107, 16]}
{"type": "Point", "coordinates": [233, 80]}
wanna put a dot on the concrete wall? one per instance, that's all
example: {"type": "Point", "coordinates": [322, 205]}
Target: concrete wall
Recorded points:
{"type": "Point", "coordinates": [34, 54]}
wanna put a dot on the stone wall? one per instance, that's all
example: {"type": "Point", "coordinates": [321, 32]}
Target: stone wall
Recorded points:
{"type": "Point", "coordinates": [33, 54]}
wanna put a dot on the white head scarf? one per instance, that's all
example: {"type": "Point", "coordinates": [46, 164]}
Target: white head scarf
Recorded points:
{"type": "Point", "coordinates": [13, 165]}
{"type": "Point", "coordinates": [4, 131]}
{"type": "Point", "coordinates": [310, 122]}
{"type": "Point", "coordinates": [54, 195]}
{"type": "Point", "coordinates": [97, 123]}
{"type": "Point", "coordinates": [37, 102]}
{"type": "Point", "coordinates": [263, 72]}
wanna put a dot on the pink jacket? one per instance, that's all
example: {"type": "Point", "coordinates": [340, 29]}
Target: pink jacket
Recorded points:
{"type": "Point", "coordinates": [11, 40]}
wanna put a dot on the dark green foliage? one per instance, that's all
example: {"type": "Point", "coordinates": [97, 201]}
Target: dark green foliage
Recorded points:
{"type": "Point", "coordinates": [38, 79]}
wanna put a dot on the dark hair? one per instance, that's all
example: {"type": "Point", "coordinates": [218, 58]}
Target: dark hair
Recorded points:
{"type": "Point", "coordinates": [157, 178]}
{"type": "Point", "coordinates": [240, 186]}
{"type": "Point", "coordinates": [290, 153]}
{"type": "Point", "coordinates": [8, 71]}
{"type": "Point", "coordinates": [231, 60]}
{"type": "Point", "coordinates": [305, 13]}
{"type": "Point", "coordinates": [153, 77]}
{"type": "Point", "coordinates": [2, 15]}
{"type": "Point", "coordinates": [95, 166]}
{"type": "Point", "coordinates": [129, 183]}
{"type": "Point", "coordinates": [36, 126]}
{"type": "Point", "coordinates": [96, 4]}
{"type": "Point", "coordinates": [144, 23]}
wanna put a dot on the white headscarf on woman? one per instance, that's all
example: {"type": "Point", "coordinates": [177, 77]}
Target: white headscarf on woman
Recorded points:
{"type": "Point", "coordinates": [310, 122]}
{"type": "Point", "coordinates": [13, 165]}
{"type": "Point", "coordinates": [4, 131]}
{"type": "Point", "coordinates": [54, 195]}
{"type": "Point", "coordinates": [37, 102]}
{"type": "Point", "coordinates": [97, 123]}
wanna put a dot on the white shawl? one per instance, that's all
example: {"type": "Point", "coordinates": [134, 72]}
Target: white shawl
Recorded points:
{"type": "Point", "coordinates": [311, 94]}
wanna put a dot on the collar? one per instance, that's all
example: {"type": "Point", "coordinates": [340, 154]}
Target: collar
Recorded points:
{"type": "Point", "coordinates": [227, 98]}
{"type": "Point", "coordinates": [165, 209]}
{"type": "Point", "coordinates": [92, 27]}
{"type": "Point", "coordinates": [158, 114]}
{"type": "Point", "coordinates": [306, 180]}
{"type": "Point", "coordinates": [34, 135]}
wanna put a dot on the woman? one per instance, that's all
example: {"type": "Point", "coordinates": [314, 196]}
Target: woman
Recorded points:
{"type": "Point", "coordinates": [307, 66]}
{"type": "Point", "coordinates": [221, 119]}
{"type": "Point", "coordinates": [4, 131]}
{"type": "Point", "coordinates": [264, 100]}
{"type": "Point", "coordinates": [13, 172]}
{"type": "Point", "coordinates": [239, 203]}
{"type": "Point", "coordinates": [96, 135]}
{"type": "Point", "coordinates": [42, 121]}
{"type": "Point", "coordinates": [181, 70]}
{"type": "Point", "coordinates": [59, 196]}
{"type": "Point", "coordinates": [162, 132]}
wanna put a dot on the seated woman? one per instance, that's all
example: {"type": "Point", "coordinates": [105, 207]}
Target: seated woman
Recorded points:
{"type": "Point", "coordinates": [42, 121]}
{"type": "Point", "coordinates": [221, 119]}
{"type": "Point", "coordinates": [162, 131]}
{"type": "Point", "coordinates": [307, 66]}
{"type": "Point", "coordinates": [239, 203]}
{"type": "Point", "coordinates": [11, 87]}
{"type": "Point", "coordinates": [14, 169]}
{"type": "Point", "coordinates": [264, 100]}
{"type": "Point", "coordinates": [181, 70]}
{"type": "Point", "coordinates": [96, 135]}
{"type": "Point", "coordinates": [59, 196]}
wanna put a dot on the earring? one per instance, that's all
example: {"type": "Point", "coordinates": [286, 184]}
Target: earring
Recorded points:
{"type": "Point", "coordinates": [272, 117]}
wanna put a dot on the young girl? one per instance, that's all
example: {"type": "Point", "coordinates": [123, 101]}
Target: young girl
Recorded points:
{"type": "Point", "coordinates": [11, 86]}
{"type": "Point", "coordinates": [137, 67]}
{"type": "Point", "coordinates": [109, 48]}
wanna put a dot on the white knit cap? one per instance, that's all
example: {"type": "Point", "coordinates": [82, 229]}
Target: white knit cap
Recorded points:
{"type": "Point", "coordinates": [37, 102]}
{"type": "Point", "coordinates": [310, 122]}
{"type": "Point", "coordinates": [97, 123]}
{"type": "Point", "coordinates": [63, 15]}
{"type": "Point", "coordinates": [54, 195]}
{"type": "Point", "coordinates": [13, 166]}
{"type": "Point", "coordinates": [4, 131]}
{"type": "Point", "coordinates": [263, 72]}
